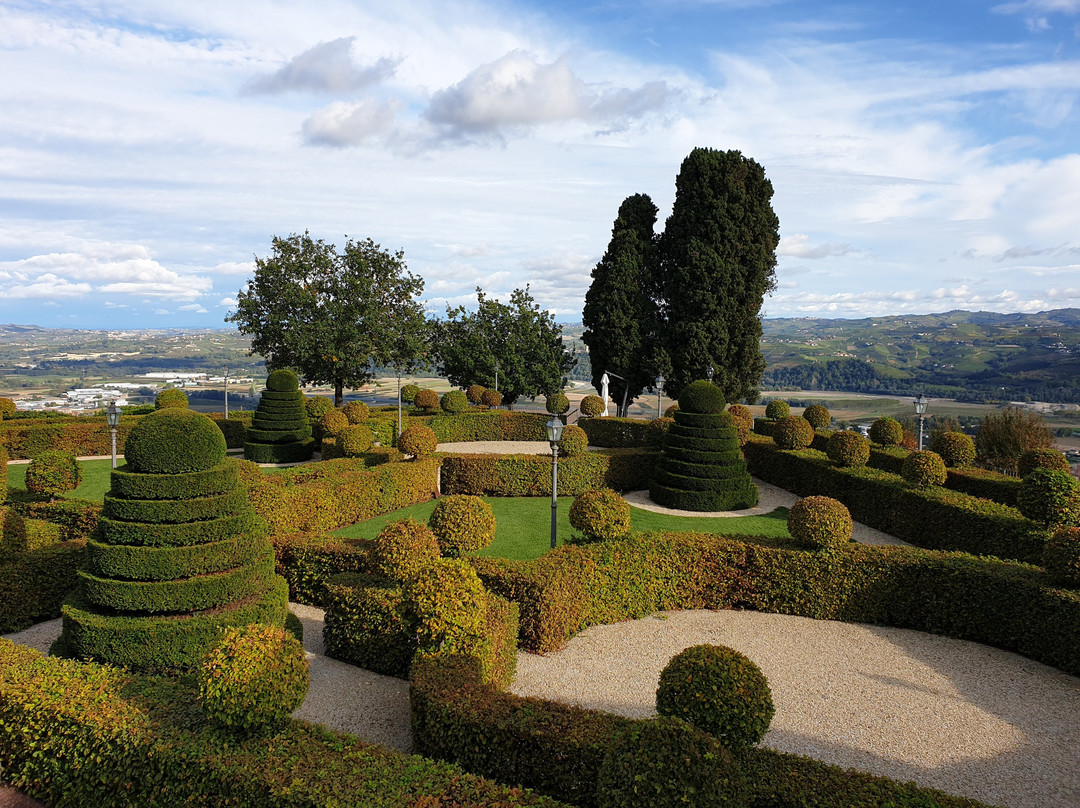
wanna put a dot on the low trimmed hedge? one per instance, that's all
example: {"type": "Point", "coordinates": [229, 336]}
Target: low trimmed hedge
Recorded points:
{"type": "Point", "coordinates": [616, 433]}
{"type": "Point", "coordinates": [33, 585]}
{"type": "Point", "coordinates": [308, 561]}
{"type": "Point", "coordinates": [490, 425]}
{"type": "Point", "coordinates": [974, 481]}
{"type": "Point", "coordinates": [530, 475]}
{"type": "Point", "coordinates": [76, 518]}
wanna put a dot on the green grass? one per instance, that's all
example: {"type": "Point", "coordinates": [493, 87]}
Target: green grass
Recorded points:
{"type": "Point", "coordinates": [95, 479]}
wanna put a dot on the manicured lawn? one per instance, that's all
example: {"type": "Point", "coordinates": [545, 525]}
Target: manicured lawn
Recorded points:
{"type": "Point", "coordinates": [95, 479]}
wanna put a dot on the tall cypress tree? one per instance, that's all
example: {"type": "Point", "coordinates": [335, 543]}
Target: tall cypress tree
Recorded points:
{"type": "Point", "coordinates": [620, 315]}
{"type": "Point", "coordinates": [717, 262]}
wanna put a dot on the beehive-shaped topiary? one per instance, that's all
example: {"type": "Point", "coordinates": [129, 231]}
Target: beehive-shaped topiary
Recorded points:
{"type": "Point", "coordinates": [178, 554]}
{"type": "Point", "coordinates": [702, 467]}
{"type": "Point", "coordinates": [280, 432]}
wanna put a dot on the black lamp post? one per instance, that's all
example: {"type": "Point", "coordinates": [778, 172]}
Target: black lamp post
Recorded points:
{"type": "Point", "coordinates": [554, 430]}
{"type": "Point", "coordinates": [112, 418]}
{"type": "Point", "coordinates": [920, 410]}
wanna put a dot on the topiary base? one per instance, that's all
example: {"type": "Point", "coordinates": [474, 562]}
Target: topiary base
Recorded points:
{"type": "Point", "coordinates": [704, 500]}
{"type": "Point", "coordinates": [279, 452]}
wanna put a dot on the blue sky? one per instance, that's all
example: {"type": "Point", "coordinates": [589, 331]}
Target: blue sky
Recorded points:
{"type": "Point", "coordinates": [925, 156]}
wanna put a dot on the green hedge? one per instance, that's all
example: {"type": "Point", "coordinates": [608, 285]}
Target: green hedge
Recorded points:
{"type": "Point", "coordinates": [295, 452]}
{"type": "Point", "coordinates": [146, 534]}
{"type": "Point", "coordinates": [308, 561]}
{"type": "Point", "coordinates": [616, 433]}
{"type": "Point", "coordinates": [278, 436]}
{"type": "Point", "coordinates": [134, 485]}
{"type": "Point", "coordinates": [491, 425]}
{"type": "Point", "coordinates": [33, 585]}
{"type": "Point", "coordinates": [169, 563]}
{"type": "Point", "coordinates": [935, 518]}
{"type": "Point", "coordinates": [180, 510]}
{"type": "Point", "coordinates": [76, 518]}
{"type": "Point", "coordinates": [974, 481]}
{"type": "Point", "coordinates": [530, 475]}
{"type": "Point", "coordinates": [234, 427]}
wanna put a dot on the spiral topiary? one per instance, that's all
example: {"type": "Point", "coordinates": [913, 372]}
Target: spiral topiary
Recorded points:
{"type": "Point", "coordinates": [821, 523]}
{"type": "Point", "coordinates": [818, 416]}
{"type": "Point", "coordinates": [573, 442]}
{"type": "Point", "coordinates": [1061, 557]}
{"type": "Point", "coordinates": [282, 381]}
{"type": "Point", "coordinates": [601, 515]}
{"type": "Point", "coordinates": [923, 469]}
{"type": "Point", "coordinates": [171, 397]}
{"type": "Point", "coordinates": [462, 523]}
{"type": "Point", "coordinates": [886, 432]}
{"type": "Point", "coordinates": [355, 439]}
{"type": "Point", "coordinates": [402, 549]}
{"type": "Point", "coordinates": [793, 432]}
{"type": "Point", "coordinates": [7, 408]}
{"type": "Point", "coordinates": [253, 679]}
{"type": "Point", "coordinates": [491, 398]}
{"type": "Point", "coordinates": [356, 412]}
{"type": "Point", "coordinates": [1051, 498]}
{"type": "Point", "coordinates": [557, 404]}
{"type": "Point", "coordinates": [655, 431]}
{"type": "Point", "coordinates": [317, 406]}
{"type": "Point", "coordinates": [447, 602]}
{"type": "Point", "coordinates": [777, 409]}
{"type": "Point", "coordinates": [418, 441]}
{"type": "Point", "coordinates": [408, 393]}
{"type": "Point", "coordinates": [702, 396]}
{"type": "Point", "coordinates": [53, 472]}
{"type": "Point", "coordinates": [956, 448]}
{"type": "Point", "coordinates": [1042, 458]}
{"type": "Point", "coordinates": [719, 691]}
{"type": "Point", "coordinates": [474, 392]}
{"type": "Point", "coordinates": [332, 423]}
{"type": "Point", "coordinates": [454, 402]}
{"type": "Point", "coordinates": [427, 400]}
{"type": "Point", "coordinates": [174, 441]}
{"type": "Point", "coordinates": [591, 406]}
{"type": "Point", "coordinates": [848, 449]}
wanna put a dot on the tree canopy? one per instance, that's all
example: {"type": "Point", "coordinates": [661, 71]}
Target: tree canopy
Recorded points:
{"type": "Point", "coordinates": [332, 317]}
{"type": "Point", "coordinates": [517, 341]}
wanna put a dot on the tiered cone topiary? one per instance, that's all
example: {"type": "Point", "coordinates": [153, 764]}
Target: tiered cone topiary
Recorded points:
{"type": "Point", "coordinates": [702, 467]}
{"type": "Point", "coordinates": [280, 432]}
{"type": "Point", "coordinates": [178, 554]}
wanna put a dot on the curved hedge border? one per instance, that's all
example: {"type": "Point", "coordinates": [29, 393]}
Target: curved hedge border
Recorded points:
{"type": "Point", "coordinates": [530, 475]}
{"type": "Point", "coordinates": [146, 534]}
{"type": "Point", "coordinates": [131, 485]}
{"type": "Point", "coordinates": [169, 563]}
{"type": "Point", "coordinates": [172, 511]}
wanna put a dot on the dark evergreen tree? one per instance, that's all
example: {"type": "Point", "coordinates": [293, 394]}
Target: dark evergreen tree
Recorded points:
{"type": "Point", "coordinates": [621, 315]}
{"type": "Point", "coordinates": [717, 262]}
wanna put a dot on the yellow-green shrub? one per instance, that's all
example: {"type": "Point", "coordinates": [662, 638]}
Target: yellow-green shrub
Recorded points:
{"type": "Point", "coordinates": [171, 397]}
{"type": "Point", "coordinates": [418, 440]}
{"type": "Point", "coordinates": [820, 522]}
{"type": "Point", "coordinates": [356, 412]}
{"type": "Point", "coordinates": [601, 515]}
{"type": "Point", "coordinates": [793, 432]}
{"type": "Point", "coordinates": [886, 432]}
{"type": "Point", "coordinates": [1062, 557]}
{"type": "Point", "coordinates": [403, 549]}
{"type": "Point", "coordinates": [848, 449]}
{"type": "Point", "coordinates": [53, 473]}
{"type": "Point", "coordinates": [923, 469]}
{"type": "Point", "coordinates": [462, 523]}
{"type": "Point", "coordinates": [591, 406]}
{"type": "Point", "coordinates": [573, 442]}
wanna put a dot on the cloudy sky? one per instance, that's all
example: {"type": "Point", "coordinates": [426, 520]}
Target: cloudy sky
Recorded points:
{"type": "Point", "coordinates": [925, 155]}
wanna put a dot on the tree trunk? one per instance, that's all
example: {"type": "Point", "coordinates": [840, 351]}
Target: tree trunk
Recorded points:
{"type": "Point", "coordinates": [339, 392]}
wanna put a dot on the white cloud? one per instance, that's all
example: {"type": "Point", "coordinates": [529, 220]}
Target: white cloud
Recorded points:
{"type": "Point", "coordinates": [46, 286]}
{"type": "Point", "coordinates": [798, 245]}
{"type": "Point", "coordinates": [228, 302]}
{"type": "Point", "coordinates": [234, 268]}
{"type": "Point", "coordinates": [327, 67]}
{"type": "Point", "coordinates": [350, 123]}
{"type": "Point", "coordinates": [194, 307]}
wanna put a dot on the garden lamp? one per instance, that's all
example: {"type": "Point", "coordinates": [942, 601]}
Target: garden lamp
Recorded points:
{"type": "Point", "coordinates": [554, 430]}
{"type": "Point", "coordinates": [920, 410]}
{"type": "Point", "coordinates": [659, 392]}
{"type": "Point", "coordinates": [112, 418]}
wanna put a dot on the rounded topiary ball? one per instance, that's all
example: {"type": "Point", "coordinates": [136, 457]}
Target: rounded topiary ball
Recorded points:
{"type": "Point", "coordinates": [574, 441]}
{"type": "Point", "coordinates": [174, 441]}
{"type": "Point", "coordinates": [1051, 498]}
{"type": "Point", "coordinates": [355, 439]}
{"type": "Point", "coordinates": [418, 440]}
{"type": "Point", "coordinates": [956, 448]}
{"type": "Point", "coordinates": [448, 603]}
{"type": "Point", "coordinates": [426, 400]}
{"type": "Point", "coordinates": [408, 393]}
{"type": "Point", "coordinates": [317, 406]}
{"type": "Point", "coordinates": [333, 422]}
{"type": "Point", "coordinates": [591, 406]}
{"type": "Point", "coordinates": [655, 431]}
{"type": "Point", "coordinates": [282, 381]}
{"type": "Point", "coordinates": [777, 409]}
{"type": "Point", "coordinates": [793, 432]}
{"type": "Point", "coordinates": [820, 522]}
{"type": "Point", "coordinates": [667, 762]}
{"type": "Point", "coordinates": [702, 396]}
{"type": "Point", "coordinates": [886, 432]}
{"type": "Point", "coordinates": [474, 392]}
{"type": "Point", "coordinates": [740, 412]}
{"type": "Point", "coordinates": [1061, 557]}
{"type": "Point", "coordinates": [52, 473]}
{"type": "Point", "coordinates": [7, 408]}
{"type": "Point", "coordinates": [557, 404]}
{"type": "Point", "coordinates": [1042, 458]}
{"type": "Point", "coordinates": [172, 397]}
{"type": "Point", "coordinates": [253, 678]}
{"type": "Point", "coordinates": [818, 416]}
{"type": "Point", "coordinates": [848, 449]}
{"type": "Point", "coordinates": [923, 469]}
{"type": "Point", "coordinates": [462, 523]}
{"type": "Point", "coordinates": [491, 398]}
{"type": "Point", "coordinates": [402, 549]}
{"type": "Point", "coordinates": [601, 514]}
{"type": "Point", "coordinates": [454, 402]}
{"type": "Point", "coordinates": [720, 691]}
{"type": "Point", "coordinates": [356, 412]}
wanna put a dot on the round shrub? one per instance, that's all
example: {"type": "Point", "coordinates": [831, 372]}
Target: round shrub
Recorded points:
{"type": "Point", "coordinates": [720, 691]}
{"type": "Point", "coordinates": [402, 549]}
{"type": "Point", "coordinates": [355, 439]}
{"type": "Point", "coordinates": [1061, 558]}
{"type": "Point", "coordinates": [1042, 458]}
{"type": "Point", "coordinates": [848, 449]}
{"type": "Point", "coordinates": [7, 408]}
{"type": "Point", "coordinates": [671, 410]}
{"type": "Point", "coordinates": [474, 392]}
{"type": "Point", "coordinates": [886, 432]}
{"type": "Point", "coordinates": [282, 381]}
{"type": "Point", "coordinates": [253, 678]}
{"type": "Point", "coordinates": [601, 514]}
{"type": "Point", "coordinates": [741, 412]}
{"type": "Point", "coordinates": [356, 412]}
{"type": "Point", "coordinates": [448, 603]}
{"type": "Point", "coordinates": [53, 472]}
{"type": "Point", "coordinates": [777, 409]}
{"type": "Point", "coordinates": [557, 404]}
{"type": "Point", "coordinates": [462, 523]}
{"type": "Point", "coordinates": [592, 406]}
{"type": "Point", "coordinates": [820, 523]}
{"type": "Point", "coordinates": [418, 441]}
{"type": "Point", "coordinates": [956, 448]}
{"type": "Point", "coordinates": [818, 416]}
{"type": "Point", "coordinates": [1051, 498]}
{"type": "Point", "coordinates": [426, 400]}
{"type": "Point", "coordinates": [793, 432]}
{"type": "Point", "coordinates": [454, 402]}
{"type": "Point", "coordinates": [702, 396]}
{"type": "Point", "coordinates": [924, 469]}
{"type": "Point", "coordinates": [317, 406]}
{"type": "Point", "coordinates": [333, 422]}
{"type": "Point", "coordinates": [408, 393]}
{"type": "Point", "coordinates": [655, 431]}
{"type": "Point", "coordinates": [171, 397]}
{"type": "Point", "coordinates": [174, 441]}
{"type": "Point", "coordinates": [491, 398]}
{"type": "Point", "coordinates": [666, 763]}
{"type": "Point", "coordinates": [573, 442]}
